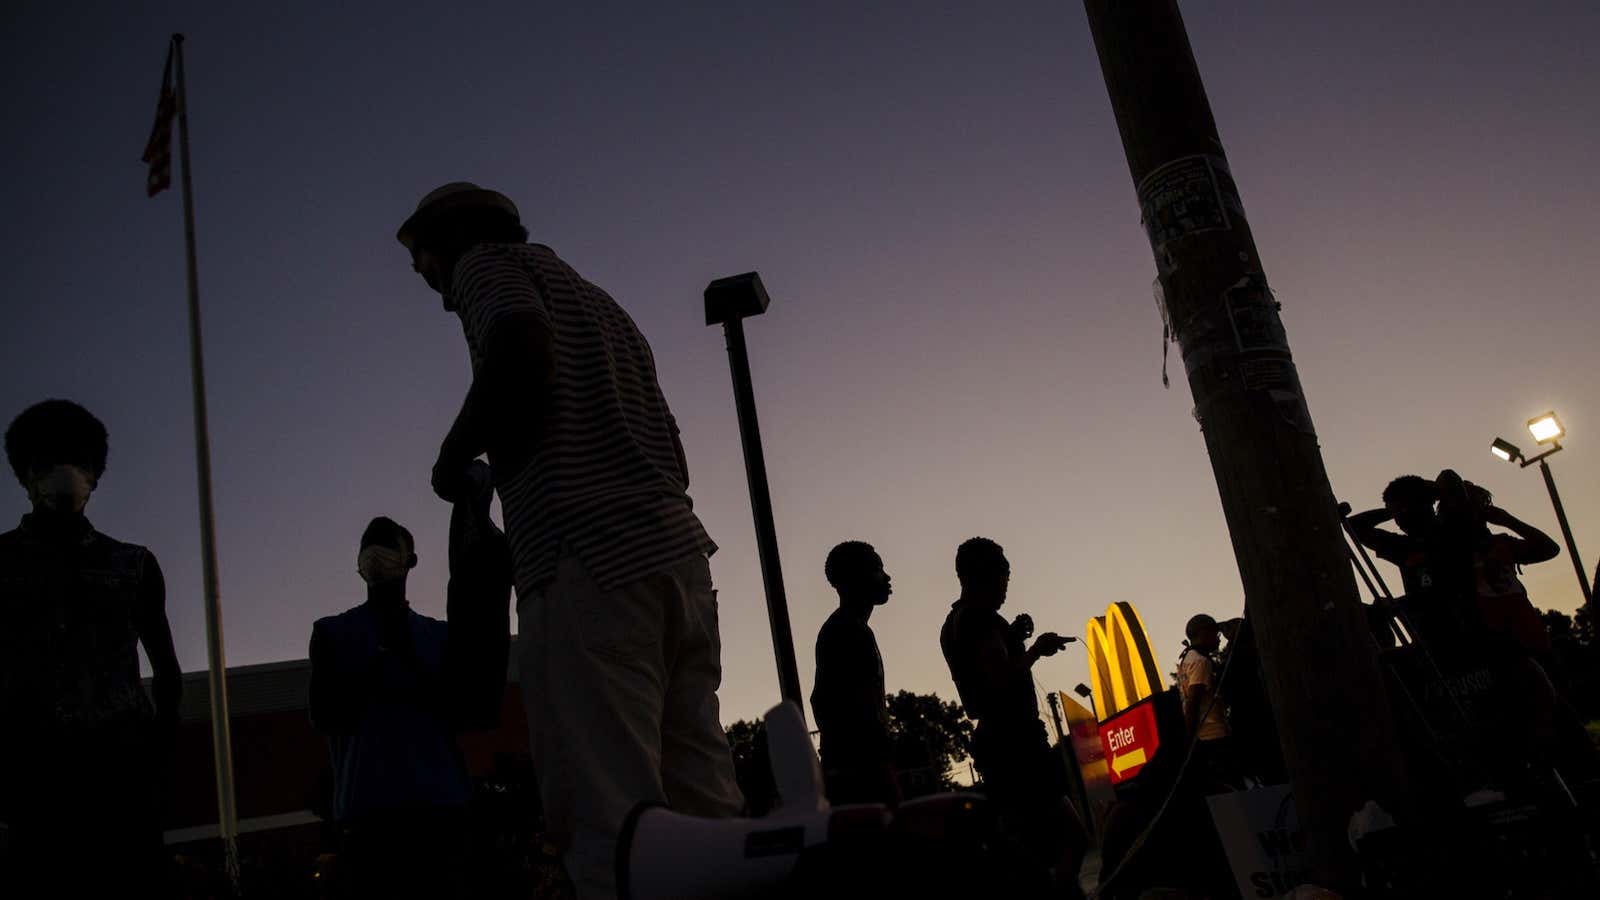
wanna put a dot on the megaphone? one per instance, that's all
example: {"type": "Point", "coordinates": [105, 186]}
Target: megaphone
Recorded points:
{"type": "Point", "coordinates": [663, 854]}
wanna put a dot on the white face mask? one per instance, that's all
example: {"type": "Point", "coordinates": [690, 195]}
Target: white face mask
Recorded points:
{"type": "Point", "coordinates": [63, 489]}
{"type": "Point", "coordinates": [380, 565]}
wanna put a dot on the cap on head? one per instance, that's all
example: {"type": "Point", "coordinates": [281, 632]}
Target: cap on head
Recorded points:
{"type": "Point", "coordinates": [389, 533]}
{"type": "Point", "coordinates": [456, 196]}
{"type": "Point", "coordinates": [1199, 624]}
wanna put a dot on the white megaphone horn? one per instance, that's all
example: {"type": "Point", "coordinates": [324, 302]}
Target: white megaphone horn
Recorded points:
{"type": "Point", "coordinates": [663, 854]}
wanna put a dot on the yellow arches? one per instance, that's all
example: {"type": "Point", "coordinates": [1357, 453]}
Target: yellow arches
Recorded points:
{"type": "Point", "coordinates": [1122, 670]}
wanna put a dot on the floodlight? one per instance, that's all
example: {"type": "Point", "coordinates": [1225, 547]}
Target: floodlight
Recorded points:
{"type": "Point", "coordinates": [1546, 428]}
{"type": "Point", "coordinates": [1505, 450]}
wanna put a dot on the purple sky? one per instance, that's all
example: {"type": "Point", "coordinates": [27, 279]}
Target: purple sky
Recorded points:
{"type": "Point", "coordinates": [962, 339]}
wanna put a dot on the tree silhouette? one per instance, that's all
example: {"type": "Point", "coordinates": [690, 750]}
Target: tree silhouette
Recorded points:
{"type": "Point", "coordinates": [1574, 660]}
{"type": "Point", "coordinates": [928, 737]}
{"type": "Point", "coordinates": [752, 767]}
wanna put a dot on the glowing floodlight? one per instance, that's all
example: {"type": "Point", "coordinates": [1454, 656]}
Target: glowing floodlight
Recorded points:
{"type": "Point", "coordinates": [1505, 450]}
{"type": "Point", "coordinates": [1546, 428]}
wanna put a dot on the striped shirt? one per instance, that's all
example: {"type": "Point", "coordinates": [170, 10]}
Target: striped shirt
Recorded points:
{"type": "Point", "coordinates": [603, 480]}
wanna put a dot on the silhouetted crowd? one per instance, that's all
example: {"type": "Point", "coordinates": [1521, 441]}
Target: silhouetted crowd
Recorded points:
{"type": "Point", "coordinates": [619, 651]}
{"type": "Point", "coordinates": [1465, 640]}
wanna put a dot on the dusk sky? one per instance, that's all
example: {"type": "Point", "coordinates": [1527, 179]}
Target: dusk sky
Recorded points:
{"type": "Point", "coordinates": [962, 337]}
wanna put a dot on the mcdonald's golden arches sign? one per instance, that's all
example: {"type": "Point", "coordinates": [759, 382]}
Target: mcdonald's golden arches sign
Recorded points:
{"type": "Point", "coordinates": [1122, 670]}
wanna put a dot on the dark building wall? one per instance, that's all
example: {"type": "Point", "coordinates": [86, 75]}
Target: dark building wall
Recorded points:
{"type": "Point", "coordinates": [281, 764]}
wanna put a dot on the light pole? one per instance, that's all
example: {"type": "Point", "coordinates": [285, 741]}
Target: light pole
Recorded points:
{"type": "Point", "coordinates": [1082, 690]}
{"type": "Point", "coordinates": [1546, 429]}
{"type": "Point", "coordinates": [729, 301]}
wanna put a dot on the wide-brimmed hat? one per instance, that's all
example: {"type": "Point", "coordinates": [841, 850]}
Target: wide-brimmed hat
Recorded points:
{"type": "Point", "coordinates": [455, 196]}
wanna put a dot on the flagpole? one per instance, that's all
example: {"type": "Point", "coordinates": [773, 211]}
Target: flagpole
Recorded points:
{"type": "Point", "coordinates": [221, 742]}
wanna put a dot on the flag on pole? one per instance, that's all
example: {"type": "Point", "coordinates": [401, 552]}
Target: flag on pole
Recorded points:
{"type": "Point", "coordinates": [158, 150]}
{"type": "Point", "coordinates": [174, 105]}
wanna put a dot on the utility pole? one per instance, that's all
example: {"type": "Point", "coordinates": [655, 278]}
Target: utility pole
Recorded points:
{"type": "Point", "coordinates": [1321, 667]}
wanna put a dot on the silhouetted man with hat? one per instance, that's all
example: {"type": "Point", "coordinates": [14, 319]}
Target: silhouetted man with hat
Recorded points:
{"type": "Point", "coordinates": [619, 651]}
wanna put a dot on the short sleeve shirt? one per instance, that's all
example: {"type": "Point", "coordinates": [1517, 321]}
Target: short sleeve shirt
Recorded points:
{"type": "Point", "coordinates": [1502, 599]}
{"type": "Point", "coordinates": [69, 656]}
{"type": "Point", "coordinates": [848, 697]}
{"type": "Point", "coordinates": [966, 631]}
{"type": "Point", "coordinates": [604, 478]}
{"type": "Point", "coordinates": [1197, 668]}
{"type": "Point", "coordinates": [1410, 555]}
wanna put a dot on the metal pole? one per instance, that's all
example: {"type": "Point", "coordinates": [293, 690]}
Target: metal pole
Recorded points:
{"type": "Point", "coordinates": [1365, 567]}
{"type": "Point", "coordinates": [221, 742]}
{"type": "Point", "coordinates": [1365, 578]}
{"type": "Point", "coordinates": [755, 466]}
{"type": "Point", "coordinates": [1367, 559]}
{"type": "Point", "coordinates": [1566, 532]}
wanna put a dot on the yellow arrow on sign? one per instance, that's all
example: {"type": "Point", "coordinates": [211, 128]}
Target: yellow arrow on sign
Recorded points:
{"type": "Point", "coordinates": [1123, 762]}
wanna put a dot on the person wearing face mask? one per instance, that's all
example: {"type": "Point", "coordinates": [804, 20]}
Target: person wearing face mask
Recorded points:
{"type": "Point", "coordinates": [82, 741]}
{"type": "Point", "coordinates": [848, 695]}
{"type": "Point", "coordinates": [391, 688]}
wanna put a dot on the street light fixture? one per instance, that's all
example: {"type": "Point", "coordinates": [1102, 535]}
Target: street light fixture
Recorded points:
{"type": "Point", "coordinates": [1505, 450]}
{"type": "Point", "coordinates": [1082, 690]}
{"type": "Point", "coordinates": [1546, 429]}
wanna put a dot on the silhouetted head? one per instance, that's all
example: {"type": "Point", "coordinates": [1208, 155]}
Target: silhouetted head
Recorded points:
{"type": "Point", "coordinates": [1410, 500]}
{"type": "Point", "coordinates": [1203, 633]}
{"type": "Point", "coordinates": [983, 571]}
{"type": "Point", "coordinates": [57, 450]}
{"type": "Point", "coordinates": [451, 220]}
{"type": "Point", "coordinates": [855, 570]}
{"type": "Point", "coordinates": [1462, 506]}
{"type": "Point", "coordinates": [388, 552]}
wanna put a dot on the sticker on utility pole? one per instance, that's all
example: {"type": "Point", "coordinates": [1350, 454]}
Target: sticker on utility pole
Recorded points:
{"type": "Point", "coordinates": [1189, 195]}
{"type": "Point", "coordinates": [1254, 315]}
{"type": "Point", "coordinates": [1264, 361]}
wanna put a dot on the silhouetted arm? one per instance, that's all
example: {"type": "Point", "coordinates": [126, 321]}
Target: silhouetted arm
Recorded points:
{"type": "Point", "coordinates": [155, 633]}
{"type": "Point", "coordinates": [1534, 547]}
{"type": "Point", "coordinates": [477, 606]}
{"type": "Point", "coordinates": [1387, 544]}
{"type": "Point", "coordinates": [338, 696]}
{"type": "Point", "coordinates": [515, 371]}
{"type": "Point", "coordinates": [998, 666]}
{"type": "Point", "coordinates": [1198, 693]}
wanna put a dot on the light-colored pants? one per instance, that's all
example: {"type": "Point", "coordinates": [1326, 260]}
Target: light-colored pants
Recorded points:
{"type": "Point", "coordinates": [620, 687]}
